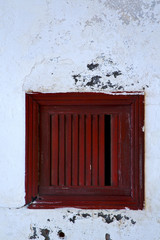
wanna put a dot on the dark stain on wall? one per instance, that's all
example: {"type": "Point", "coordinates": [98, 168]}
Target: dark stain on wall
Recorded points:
{"type": "Point", "coordinates": [92, 66]}
{"type": "Point", "coordinates": [34, 236]}
{"type": "Point", "coordinates": [104, 86]}
{"type": "Point", "coordinates": [144, 87]}
{"type": "Point", "coordinates": [72, 219]}
{"type": "Point", "coordinates": [76, 77]}
{"type": "Point", "coordinates": [98, 81]}
{"type": "Point", "coordinates": [94, 80]}
{"type": "Point", "coordinates": [133, 222]}
{"type": "Point", "coordinates": [85, 215]}
{"type": "Point", "coordinates": [107, 237]}
{"type": "Point", "coordinates": [118, 217]}
{"type": "Point", "coordinates": [127, 218]}
{"type": "Point", "coordinates": [45, 233]}
{"type": "Point", "coordinates": [115, 73]}
{"type": "Point", "coordinates": [101, 81]}
{"type": "Point", "coordinates": [107, 217]}
{"type": "Point", "coordinates": [61, 234]}
{"type": "Point", "coordinates": [115, 86]}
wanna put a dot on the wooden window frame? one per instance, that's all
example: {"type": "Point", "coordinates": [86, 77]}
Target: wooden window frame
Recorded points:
{"type": "Point", "coordinates": [127, 188]}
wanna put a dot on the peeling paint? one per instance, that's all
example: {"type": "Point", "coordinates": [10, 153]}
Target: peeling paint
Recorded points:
{"type": "Point", "coordinates": [72, 219]}
{"type": "Point", "coordinates": [107, 217]}
{"type": "Point", "coordinates": [115, 74]}
{"type": "Point", "coordinates": [118, 217]}
{"type": "Point", "coordinates": [94, 80]}
{"type": "Point", "coordinates": [45, 233]}
{"type": "Point", "coordinates": [92, 66]}
{"type": "Point", "coordinates": [34, 235]}
{"type": "Point", "coordinates": [133, 222]}
{"type": "Point", "coordinates": [85, 215]}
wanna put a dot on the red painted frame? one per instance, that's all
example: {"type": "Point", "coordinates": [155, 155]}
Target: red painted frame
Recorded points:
{"type": "Point", "coordinates": [127, 188]}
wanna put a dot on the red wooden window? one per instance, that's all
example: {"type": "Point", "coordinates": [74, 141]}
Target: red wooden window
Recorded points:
{"type": "Point", "coordinates": [84, 150]}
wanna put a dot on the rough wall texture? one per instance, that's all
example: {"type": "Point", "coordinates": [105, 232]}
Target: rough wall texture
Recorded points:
{"type": "Point", "coordinates": [66, 46]}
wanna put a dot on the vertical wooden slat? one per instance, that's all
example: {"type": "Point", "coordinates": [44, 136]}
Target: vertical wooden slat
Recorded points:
{"type": "Point", "coordinates": [54, 149]}
{"type": "Point", "coordinates": [68, 149]}
{"type": "Point", "coordinates": [29, 148]}
{"type": "Point", "coordinates": [75, 150]}
{"type": "Point", "coordinates": [135, 154]}
{"type": "Point", "coordinates": [61, 149]}
{"type": "Point", "coordinates": [88, 150]}
{"type": "Point", "coordinates": [101, 150]}
{"type": "Point", "coordinates": [140, 155]}
{"type": "Point", "coordinates": [125, 150]}
{"type": "Point", "coordinates": [81, 150]}
{"type": "Point", "coordinates": [45, 147]}
{"type": "Point", "coordinates": [95, 150]}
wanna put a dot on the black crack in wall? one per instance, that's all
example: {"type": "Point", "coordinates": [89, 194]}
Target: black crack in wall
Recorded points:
{"type": "Point", "coordinates": [34, 236]}
{"type": "Point", "coordinates": [107, 237]}
{"type": "Point", "coordinates": [92, 66]}
{"type": "Point", "coordinates": [61, 234]}
{"type": "Point", "coordinates": [45, 233]}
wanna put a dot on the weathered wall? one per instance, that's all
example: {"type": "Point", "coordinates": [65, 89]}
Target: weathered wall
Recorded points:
{"type": "Point", "coordinates": [65, 46]}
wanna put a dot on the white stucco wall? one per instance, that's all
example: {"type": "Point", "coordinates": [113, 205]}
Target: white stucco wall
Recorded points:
{"type": "Point", "coordinates": [45, 46]}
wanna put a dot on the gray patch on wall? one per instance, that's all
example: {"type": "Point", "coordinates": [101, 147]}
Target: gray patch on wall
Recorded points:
{"type": "Point", "coordinates": [136, 10]}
